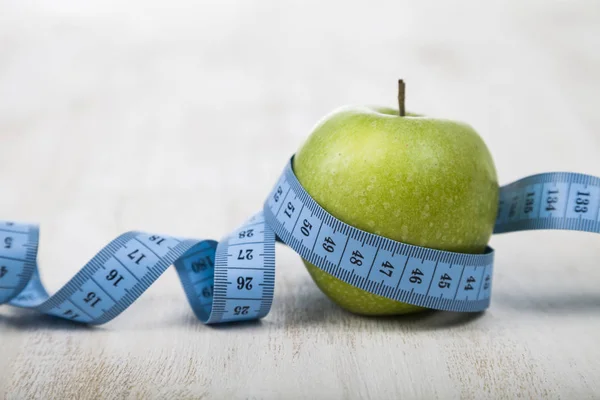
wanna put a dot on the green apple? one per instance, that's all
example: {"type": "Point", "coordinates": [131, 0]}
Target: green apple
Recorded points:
{"type": "Point", "coordinates": [418, 180]}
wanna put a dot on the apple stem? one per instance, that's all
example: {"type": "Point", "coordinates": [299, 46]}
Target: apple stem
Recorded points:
{"type": "Point", "coordinates": [401, 97]}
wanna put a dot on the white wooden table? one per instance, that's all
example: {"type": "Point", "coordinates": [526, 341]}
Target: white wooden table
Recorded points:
{"type": "Point", "coordinates": [177, 117]}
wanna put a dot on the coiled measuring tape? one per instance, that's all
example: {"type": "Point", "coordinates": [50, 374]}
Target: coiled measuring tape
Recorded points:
{"type": "Point", "coordinates": [234, 279]}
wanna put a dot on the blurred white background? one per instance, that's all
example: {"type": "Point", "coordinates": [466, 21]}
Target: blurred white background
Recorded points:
{"type": "Point", "coordinates": [195, 85]}
{"type": "Point", "coordinates": [177, 117]}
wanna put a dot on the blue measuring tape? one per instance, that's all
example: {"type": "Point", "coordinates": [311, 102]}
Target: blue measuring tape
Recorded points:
{"type": "Point", "coordinates": [234, 279]}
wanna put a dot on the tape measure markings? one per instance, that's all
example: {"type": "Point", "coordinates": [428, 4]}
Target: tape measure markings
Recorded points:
{"type": "Point", "coordinates": [28, 261]}
{"type": "Point", "coordinates": [249, 251]}
{"type": "Point", "coordinates": [234, 279]}
{"type": "Point", "coordinates": [339, 257]}
{"type": "Point", "coordinates": [559, 200]}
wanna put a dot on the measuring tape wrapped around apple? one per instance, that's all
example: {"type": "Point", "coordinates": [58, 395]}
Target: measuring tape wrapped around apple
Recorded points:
{"type": "Point", "coordinates": [366, 183]}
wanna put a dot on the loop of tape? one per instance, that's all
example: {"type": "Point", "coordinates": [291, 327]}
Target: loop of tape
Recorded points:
{"type": "Point", "coordinates": [234, 279]}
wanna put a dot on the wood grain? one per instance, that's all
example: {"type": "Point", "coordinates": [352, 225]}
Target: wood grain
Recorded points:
{"type": "Point", "coordinates": [177, 117]}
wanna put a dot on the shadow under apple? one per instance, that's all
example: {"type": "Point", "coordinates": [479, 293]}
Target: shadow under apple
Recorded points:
{"type": "Point", "coordinates": [308, 306]}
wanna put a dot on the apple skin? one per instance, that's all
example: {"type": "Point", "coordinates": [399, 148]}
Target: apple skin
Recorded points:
{"type": "Point", "coordinates": [418, 180]}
